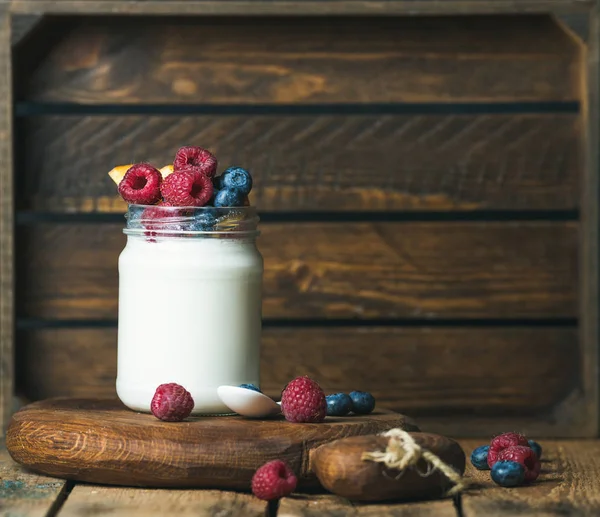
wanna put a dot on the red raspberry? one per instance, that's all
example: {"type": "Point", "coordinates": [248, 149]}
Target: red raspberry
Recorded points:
{"type": "Point", "coordinates": [171, 403]}
{"type": "Point", "coordinates": [203, 160]}
{"type": "Point", "coordinates": [187, 188]}
{"type": "Point", "coordinates": [502, 442]}
{"type": "Point", "coordinates": [141, 184]}
{"type": "Point", "coordinates": [525, 456]}
{"type": "Point", "coordinates": [273, 481]}
{"type": "Point", "coordinates": [155, 218]}
{"type": "Point", "coordinates": [303, 400]}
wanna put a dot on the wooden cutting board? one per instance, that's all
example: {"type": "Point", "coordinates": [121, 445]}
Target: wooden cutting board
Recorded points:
{"type": "Point", "coordinates": [101, 441]}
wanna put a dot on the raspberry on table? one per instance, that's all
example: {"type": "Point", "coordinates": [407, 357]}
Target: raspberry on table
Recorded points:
{"type": "Point", "coordinates": [525, 456]}
{"type": "Point", "coordinates": [338, 404]}
{"type": "Point", "coordinates": [203, 160]}
{"type": "Point", "coordinates": [141, 185]}
{"type": "Point", "coordinates": [228, 197]}
{"type": "Point", "coordinates": [187, 187]}
{"type": "Point", "coordinates": [273, 480]}
{"type": "Point", "coordinates": [303, 400]}
{"type": "Point", "coordinates": [250, 387]}
{"type": "Point", "coordinates": [508, 473]}
{"type": "Point", "coordinates": [535, 447]}
{"type": "Point", "coordinates": [363, 402]}
{"type": "Point", "coordinates": [502, 442]}
{"type": "Point", "coordinates": [479, 457]}
{"type": "Point", "coordinates": [171, 403]}
{"type": "Point", "coordinates": [236, 178]}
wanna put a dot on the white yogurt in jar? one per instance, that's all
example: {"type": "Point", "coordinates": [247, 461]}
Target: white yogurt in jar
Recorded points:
{"type": "Point", "coordinates": [189, 313]}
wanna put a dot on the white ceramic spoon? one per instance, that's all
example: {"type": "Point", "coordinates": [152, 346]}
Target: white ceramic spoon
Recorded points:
{"type": "Point", "coordinates": [247, 402]}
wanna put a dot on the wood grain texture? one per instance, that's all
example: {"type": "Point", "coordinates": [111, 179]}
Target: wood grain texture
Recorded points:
{"type": "Point", "coordinates": [589, 246]}
{"type": "Point", "coordinates": [297, 7]}
{"type": "Point", "coordinates": [331, 270]}
{"type": "Point", "coordinates": [341, 469]}
{"type": "Point", "coordinates": [424, 372]}
{"type": "Point", "coordinates": [6, 224]}
{"type": "Point", "coordinates": [306, 61]}
{"type": "Point", "coordinates": [299, 505]}
{"type": "Point", "coordinates": [567, 485]}
{"type": "Point", "coordinates": [317, 162]}
{"type": "Point", "coordinates": [103, 501]}
{"type": "Point", "coordinates": [101, 441]}
{"type": "Point", "coordinates": [24, 494]}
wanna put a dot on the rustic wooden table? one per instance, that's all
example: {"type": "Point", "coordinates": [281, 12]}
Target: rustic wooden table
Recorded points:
{"type": "Point", "coordinates": [568, 486]}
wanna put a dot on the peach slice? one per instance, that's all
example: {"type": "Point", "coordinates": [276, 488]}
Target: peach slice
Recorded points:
{"type": "Point", "coordinates": [118, 172]}
{"type": "Point", "coordinates": [166, 170]}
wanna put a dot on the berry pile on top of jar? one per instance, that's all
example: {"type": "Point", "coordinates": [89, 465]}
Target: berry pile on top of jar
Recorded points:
{"type": "Point", "coordinates": [512, 458]}
{"type": "Point", "coordinates": [191, 181]}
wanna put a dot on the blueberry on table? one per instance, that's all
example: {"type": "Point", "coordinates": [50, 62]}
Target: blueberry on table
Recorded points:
{"type": "Point", "coordinates": [363, 402]}
{"type": "Point", "coordinates": [228, 197]}
{"type": "Point", "coordinates": [479, 457]}
{"type": "Point", "coordinates": [338, 404]}
{"type": "Point", "coordinates": [236, 178]}
{"type": "Point", "coordinates": [508, 473]}
{"type": "Point", "coordinates": [250, 387]}
{"type": "Point", "coordinates": [535, 447]}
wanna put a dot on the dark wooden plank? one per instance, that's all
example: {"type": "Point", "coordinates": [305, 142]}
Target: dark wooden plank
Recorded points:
{"type": "Point", "coordinates": [139, 502]}
{"type": "Point", "coordinates": [418, 371]}
{"type": "Point", "coordinates": [23, 494]}
{"type": "Point", "coordinates": [297, 7]}
{"type": "Point", "coordinates": [589, 247]}
{"type": "Point", "coordinates": [21, 26]}
{"type": "Point", "coordinates": [333, 506]}
{"type": "Point", "coordinates": [323, 163]}
{"type": "Point", "coordinates": [332, 270]}
{"type": "Point", "coordinates": [566, 486]}
{"type": "Point", "coordinates": [6, 224]}
{"type": "Point", "coordinates": [306, 61]}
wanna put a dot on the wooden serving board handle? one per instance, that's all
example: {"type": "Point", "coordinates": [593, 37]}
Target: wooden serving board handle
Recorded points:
{"type": "Point", "coordinates": [341, 470]}
{"type": "Point", "coordinates": [101, 441]}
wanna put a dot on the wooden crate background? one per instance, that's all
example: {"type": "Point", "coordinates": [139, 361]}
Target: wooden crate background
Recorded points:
{"type": "Point", "coordinates": [423, 184]}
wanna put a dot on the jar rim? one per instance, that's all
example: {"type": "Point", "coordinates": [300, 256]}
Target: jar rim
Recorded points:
{"type": "Point", "coordinates": [163, 220]}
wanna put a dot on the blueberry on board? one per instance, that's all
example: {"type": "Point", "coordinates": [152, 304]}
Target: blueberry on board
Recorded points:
{"type": "Point", "coordinates": [236, 178]}
{"type": "Point", "coordinates": [228, 197]}
{"type": "Point", "coordinates": [338, 404]}
{"type": "Point", "coordinates": [363, 402]}
{"type": "Point", "coordinates": [204, 221]}
{"type": "Point", "coordinates": [535, 447]}
{"type": "Point", "coordinates": [508, 473]}
{"type": "Point", "coordinates": [250, 387]}
{"type": "Point", "coordinates": [479, 457]}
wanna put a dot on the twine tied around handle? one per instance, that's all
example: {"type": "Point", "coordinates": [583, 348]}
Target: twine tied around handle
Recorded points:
{"type": "Point", "coordinates": [403, 452]}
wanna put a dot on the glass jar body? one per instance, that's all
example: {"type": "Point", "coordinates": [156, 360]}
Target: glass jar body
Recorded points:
{"type": "Point", "coordinates": [189, 313]}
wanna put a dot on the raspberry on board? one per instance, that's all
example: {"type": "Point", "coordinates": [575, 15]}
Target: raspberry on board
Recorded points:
{"type": "Point", "coordinates": [303, 400]}
{"type": "Point", "coordinates": [202, 159]}
{"type": "Point", "coordinates": [524, 455]}
{"type": "Point", "coordinates": [187, 188]}
{"type": "Point", "coordinates": [171, 403]}
{"type": "Point", "coordinates": [502, 442]}
{"type": "Point", "coordinates": [273, 480]}
{"type": "Point", "coordinates": [141, 185]}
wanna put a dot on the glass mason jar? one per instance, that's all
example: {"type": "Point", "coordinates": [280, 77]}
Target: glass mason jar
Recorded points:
{"type": "Point", "coordinates": [189, 303]}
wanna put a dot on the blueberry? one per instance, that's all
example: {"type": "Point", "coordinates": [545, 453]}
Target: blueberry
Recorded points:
{"type": "Point", "coordinates": [229, 197]}
{"type": "Point", "coordinates": [479, 457]}
{"type": "Point", "coordinates": [338, 404]}
{"type": "Point", "coordinates": [250, 387]}
{"type": "Point", "coordinates": [362, 402]}
{"type": "Point", "coordinates": [236, 178]}
{"type": "Point", "coordinates": [508, 473]}
{"type": "Point", "coordinates": [133, 216]}
{"type": "Point", "coordinates": [204, 221]}
{"type": "Point", "coordinates": [535, 447]}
